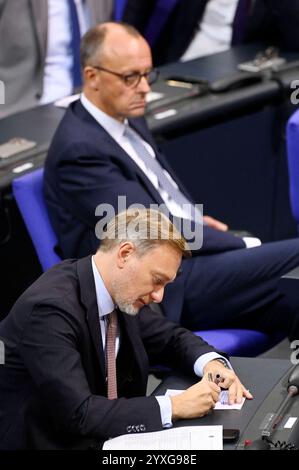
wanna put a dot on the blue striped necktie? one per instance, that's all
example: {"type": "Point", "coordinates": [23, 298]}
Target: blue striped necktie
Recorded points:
{"type": "Point", "coordinates": [75, 44]}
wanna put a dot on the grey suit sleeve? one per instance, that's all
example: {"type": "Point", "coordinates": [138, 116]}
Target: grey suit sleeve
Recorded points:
{"type": "Point", "coordinates": [2, 4]}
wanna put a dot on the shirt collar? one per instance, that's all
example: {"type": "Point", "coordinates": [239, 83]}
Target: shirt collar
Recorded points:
{"type": "Point", "coordinates": [115, 128]}
{"type": "Point", "coordinates": [104, 299]}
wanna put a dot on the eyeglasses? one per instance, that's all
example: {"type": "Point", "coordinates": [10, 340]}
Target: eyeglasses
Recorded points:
{"type": "Point", "coordinates": [133, 79]}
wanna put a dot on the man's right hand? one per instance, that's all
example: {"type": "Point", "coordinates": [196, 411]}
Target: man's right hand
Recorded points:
{"type": "Point", "coordinates": [196, 401]}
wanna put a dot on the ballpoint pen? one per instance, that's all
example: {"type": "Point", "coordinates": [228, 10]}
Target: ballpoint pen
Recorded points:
{"type": "Point", "coordinates": [217, 379]}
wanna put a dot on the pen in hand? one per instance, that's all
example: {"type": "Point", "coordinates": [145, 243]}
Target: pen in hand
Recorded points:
{"type": "Point", "coordinates": [217, 380]}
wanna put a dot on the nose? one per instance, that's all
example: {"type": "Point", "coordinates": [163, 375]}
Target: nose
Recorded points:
{"type": "Point", "coordinates": [144, 85]}
{"type": "Point", "coordinates": [157, 295]}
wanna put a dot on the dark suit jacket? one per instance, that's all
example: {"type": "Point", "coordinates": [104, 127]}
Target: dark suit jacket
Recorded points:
{"type": "Point", "coordinates": [85, 167]}
{"type": "Point", "coordinates": [179, 29]}
{"type": "Point", "coordinates": [52, 386]}
{"type": "Point", "coordinates": [274, 22]}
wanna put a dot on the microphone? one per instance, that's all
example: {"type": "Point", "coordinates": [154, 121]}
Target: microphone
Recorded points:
{"type": "Point", "coordinates": [292, 388]}
{"type": "Point", "coordinates": [293, 380]}
{"type": "Point", "coordinates": [264, 442]}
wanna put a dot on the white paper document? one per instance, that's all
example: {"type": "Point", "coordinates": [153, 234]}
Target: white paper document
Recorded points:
{"type": "Point", "coordinates": [183, 438]}
{"type": "Point", "coordinates": [222, 403]}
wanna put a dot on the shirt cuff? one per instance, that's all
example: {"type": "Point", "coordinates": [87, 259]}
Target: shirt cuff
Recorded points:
{"type": "Point", "coordinates": [251, 242]}
{"type": "Point", "coordinates": [202, 361]}
{"type": "Point", "coordinates": [165, 411]}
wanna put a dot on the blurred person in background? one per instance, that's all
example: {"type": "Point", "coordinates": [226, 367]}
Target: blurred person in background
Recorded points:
{"type": "Point", "coordinates": [195, 28]}
{"type": "Point", "coordinates": [40, 48]}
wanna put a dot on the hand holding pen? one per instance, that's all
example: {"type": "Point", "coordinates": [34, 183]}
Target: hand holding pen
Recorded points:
{"type": "Point", "coordinates": [218, 379]}
{"type": "Point", "coordinates": [226, 379]}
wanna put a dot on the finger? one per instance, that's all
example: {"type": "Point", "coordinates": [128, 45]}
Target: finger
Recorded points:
{"type": "Point", "coordinates": [215, 397]}
{"type": "Point", "coordinates": [240, 390]}
{"type": "Point", "coordinates": [220, 226]}
{"type": "Point", "coordinates": [205, 378]}
{"type": "Point", "coordinates": [232, 393]}
{"type": "Point", "coordinates": [247, 394]}
{"type": "Point", "coordinates": [210, 221]}
{"type": "Point", "coordinates": [214, 387]}
{"type": "Point", "coordinates": [228, 381]}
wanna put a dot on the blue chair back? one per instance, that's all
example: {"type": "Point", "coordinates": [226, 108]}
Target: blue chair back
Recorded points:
{"type": "Point", "coordinates": [237, 342]}
{"type": "Point", "coordinates": [28, 193]}
{"type": "Point", "coordinates": [119, 6]}
{"type": "Point", "coordinates": [293, 163]}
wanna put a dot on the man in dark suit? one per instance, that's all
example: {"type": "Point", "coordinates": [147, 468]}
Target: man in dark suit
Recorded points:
{"type": "Point", "coordinates": [272, 21]}
{"type": "Point", "coordinates": [97, 155]}
{"type": "Point", "coordinates": [53, 388]}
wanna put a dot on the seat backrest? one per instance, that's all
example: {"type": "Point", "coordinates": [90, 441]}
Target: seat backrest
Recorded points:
{"type": "Point", "coordinates": [28, 193]}
{"type": "Point", "coordinates": [234, 341]}
{"type": "Point", "coordinates": [293, 162]}
{"type": "Point", "coordinates": [119, 6]}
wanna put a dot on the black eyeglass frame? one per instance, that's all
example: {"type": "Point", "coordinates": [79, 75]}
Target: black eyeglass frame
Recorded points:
{"type": "Point", "coordinates": [138, 76]}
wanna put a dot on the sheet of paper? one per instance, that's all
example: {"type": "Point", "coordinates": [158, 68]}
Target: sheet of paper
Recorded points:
{"type": "Point", "coordinates": [183, 438]}
{"type": "Point", "coordinates": [222, 403]}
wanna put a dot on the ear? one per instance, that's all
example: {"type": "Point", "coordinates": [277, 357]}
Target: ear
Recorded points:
{"type": "Point", "coordinates": [125, 251]}
{"type": "Point", "coordinates": [91, 78]}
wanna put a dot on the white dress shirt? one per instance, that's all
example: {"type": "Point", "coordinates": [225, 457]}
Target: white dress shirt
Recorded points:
{"type": "Point", "coordinates": [214, 29]}
{"type": "Point", "coordinates": [58, 80]}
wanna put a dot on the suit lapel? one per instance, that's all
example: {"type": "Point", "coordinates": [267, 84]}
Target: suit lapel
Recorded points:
{"type": "Point", "coordinates": [88, 297]}
{"type": "Point", "coordinates": [117, 151]}
{"type": "Point", "coordinates": [40, 20]}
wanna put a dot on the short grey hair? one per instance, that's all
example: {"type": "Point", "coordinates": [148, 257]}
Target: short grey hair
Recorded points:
{"type": "Point", "coordinates": [146, 228]}
{"type": "Point", "coordinates": [93, 40]}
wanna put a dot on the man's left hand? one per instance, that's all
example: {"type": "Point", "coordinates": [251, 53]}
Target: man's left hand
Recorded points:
{"type": "Point", "coordinates": [214, 223]}
{"type": "Point", "coordinates": [228, 380]}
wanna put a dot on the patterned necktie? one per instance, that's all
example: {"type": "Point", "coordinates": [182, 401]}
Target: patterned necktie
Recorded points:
{"type": "Point", "coordinates": [240, 21]}
{"type": "Point", "coordinates": [154, 165]}
{"type": "Point", "coordinates": [75, 44]}
{"type": "Point", "coordinates": [110, 355]}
